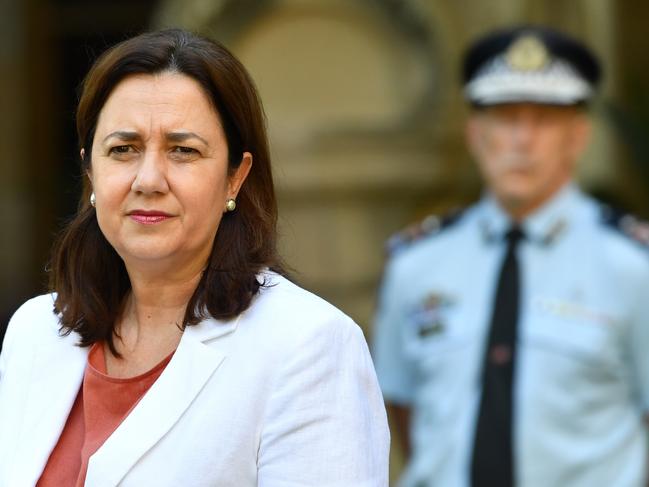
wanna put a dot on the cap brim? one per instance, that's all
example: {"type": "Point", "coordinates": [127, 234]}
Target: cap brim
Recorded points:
{"type": "Point", "coordinates": [555, 85]}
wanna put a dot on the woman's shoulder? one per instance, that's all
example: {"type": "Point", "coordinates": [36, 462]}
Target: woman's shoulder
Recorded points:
{"type": "Point", "coordinates": [276, 287]}
{"type": "Point", "coordinates": [35, 313]}
{"type": "Point", "coordinates": [42, 305]}
{"type": "Point", "coordinates": [296, 310]}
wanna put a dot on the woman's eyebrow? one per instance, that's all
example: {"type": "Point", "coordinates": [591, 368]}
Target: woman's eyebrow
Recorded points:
{"type": "Point", "coordinates": [183, 136]}
{"type": "Point", "coordinates": [125, 135]}
{"type": "Point", "coordinates": [129, 136]}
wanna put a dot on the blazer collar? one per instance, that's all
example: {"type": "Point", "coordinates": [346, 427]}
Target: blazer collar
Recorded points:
{"type": "Point", "coordinates": [190, 368]}
{"type": "Point", "coordinates": [56, 374]}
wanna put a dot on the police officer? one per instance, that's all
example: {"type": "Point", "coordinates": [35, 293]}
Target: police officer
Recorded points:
{"type": "Point", "coordinates": [512, 340]}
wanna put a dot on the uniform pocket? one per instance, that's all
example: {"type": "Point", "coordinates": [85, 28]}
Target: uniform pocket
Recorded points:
{"type": "Point", "coordinates": [583, 333]}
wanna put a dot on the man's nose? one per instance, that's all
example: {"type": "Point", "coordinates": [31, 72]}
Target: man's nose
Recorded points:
{"type": "Point", "coordinates": [523, 131]}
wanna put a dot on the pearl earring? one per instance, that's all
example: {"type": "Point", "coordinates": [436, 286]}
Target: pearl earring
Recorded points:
{"type": "Point", "coordinates": [230, 204]}
{"type": "Point", "coordinates": [93, 199]}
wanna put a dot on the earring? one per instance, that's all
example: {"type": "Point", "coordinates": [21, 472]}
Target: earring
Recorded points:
{"type": "Point", "coordinates": [93, 200]}
{"type": "Point", "coordinates": [230, 204]}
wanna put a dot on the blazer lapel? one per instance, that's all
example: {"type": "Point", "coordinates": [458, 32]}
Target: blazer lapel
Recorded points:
{"type": "Point", "coordinates": [190, 368]}
{"type": "Point", "coordinates": [56, 376]}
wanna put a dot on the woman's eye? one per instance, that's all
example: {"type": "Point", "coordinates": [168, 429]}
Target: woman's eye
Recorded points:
{"type": "Point", "coordinates": [121, 149]}
{"type": "Point", "coordinates": [182, 153]}
{"type": "Point", "coordinates": [185, 150]}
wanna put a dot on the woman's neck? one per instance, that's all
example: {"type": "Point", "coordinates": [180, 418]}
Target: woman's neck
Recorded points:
{"type": "Point", "coordinates": [156, 306]}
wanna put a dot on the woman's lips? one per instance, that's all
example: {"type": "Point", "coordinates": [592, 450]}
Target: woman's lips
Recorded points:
{"type": "Point", "coordinates": [149, 217]}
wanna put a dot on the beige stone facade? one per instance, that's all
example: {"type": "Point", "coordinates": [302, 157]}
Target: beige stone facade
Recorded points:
{"type": "Point", "coordinates": [365, 116]}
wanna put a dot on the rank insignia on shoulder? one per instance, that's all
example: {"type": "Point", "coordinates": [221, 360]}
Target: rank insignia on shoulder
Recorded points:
{"type": "Point", "coordinates": [629, 225]}
{"type": "Point", "coordinates": [431, 225]}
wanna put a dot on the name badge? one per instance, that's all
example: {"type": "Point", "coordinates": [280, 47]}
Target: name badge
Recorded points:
{"type": "Point", "coordinates": [573, 311]}
{"type": "Point", "coordinates": [429, 316]}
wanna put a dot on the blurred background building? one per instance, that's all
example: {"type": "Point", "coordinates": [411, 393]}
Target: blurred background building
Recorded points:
{"type": "Point", "coordinates": [364, 110]}
{"type": "Point", "coordinates": [364, 114]}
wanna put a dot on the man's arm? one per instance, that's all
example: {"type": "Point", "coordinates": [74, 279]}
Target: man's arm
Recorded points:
{"type": "Point", "coordinates": [400, 422]}
{"type": "Point", "coordinates": [638, 341]}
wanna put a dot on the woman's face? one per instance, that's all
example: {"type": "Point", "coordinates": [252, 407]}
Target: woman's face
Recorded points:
{"type": "Point", "coordinates": [159, 171]}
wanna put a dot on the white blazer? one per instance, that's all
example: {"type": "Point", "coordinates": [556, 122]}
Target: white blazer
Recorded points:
{"type": "Point", "coordinates": [284, 395]}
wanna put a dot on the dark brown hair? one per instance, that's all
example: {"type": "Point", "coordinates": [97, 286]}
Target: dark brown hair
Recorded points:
{"type": "Point", "coordinates": [88, 275]}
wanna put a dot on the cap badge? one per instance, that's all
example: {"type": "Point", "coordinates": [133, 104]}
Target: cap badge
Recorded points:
{"type": "Point", "coordinates": [527, 53]}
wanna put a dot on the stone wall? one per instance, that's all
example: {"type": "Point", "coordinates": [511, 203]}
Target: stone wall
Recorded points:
{"type": "Point", "coordinates": [365, 116]}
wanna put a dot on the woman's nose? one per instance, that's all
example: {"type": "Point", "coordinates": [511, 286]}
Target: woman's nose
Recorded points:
{"type": "Point", "coordinates": [151, 176]}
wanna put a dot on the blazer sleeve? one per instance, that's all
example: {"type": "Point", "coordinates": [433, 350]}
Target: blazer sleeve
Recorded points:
{"type": "Point", "coordinates": [7, 343]}
{"type": "Point", "coordinates": [325, 423]}
{"type": "Point", "coordinates": [4, 352]}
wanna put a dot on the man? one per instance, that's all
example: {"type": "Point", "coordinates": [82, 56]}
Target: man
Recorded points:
{"type": "Point", "coordinates": [512, 340]}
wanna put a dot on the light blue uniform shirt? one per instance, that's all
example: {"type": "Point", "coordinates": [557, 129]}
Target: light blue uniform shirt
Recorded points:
{"type": "Point", "coordinates": [582, 367]}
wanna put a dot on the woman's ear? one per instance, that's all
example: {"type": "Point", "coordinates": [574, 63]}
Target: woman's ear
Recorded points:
{"type": "Point", "coordinates": [82, 153]}
{"type": "Point", "coordinates": [240, 175]}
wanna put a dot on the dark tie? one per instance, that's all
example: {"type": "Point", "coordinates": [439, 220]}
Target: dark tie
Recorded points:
{"type": "Point", "coordinates": [492, 462]}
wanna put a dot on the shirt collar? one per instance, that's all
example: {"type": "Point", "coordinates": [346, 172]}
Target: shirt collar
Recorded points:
{"type": "Point", "coordinates": [544, 226]}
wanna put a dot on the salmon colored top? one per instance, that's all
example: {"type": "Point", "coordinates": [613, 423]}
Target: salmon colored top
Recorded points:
{"type": "Point", "coordinates": [102, 404]}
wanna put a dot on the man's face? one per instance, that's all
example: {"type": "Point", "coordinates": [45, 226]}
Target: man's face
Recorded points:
{"type": "Point", "coordinates": [526, 152]}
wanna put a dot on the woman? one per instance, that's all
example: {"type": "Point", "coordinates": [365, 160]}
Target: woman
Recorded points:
{"type": "Point", "coordinates": [172, 351]}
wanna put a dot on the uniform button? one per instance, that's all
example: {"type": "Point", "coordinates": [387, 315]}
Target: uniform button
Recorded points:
{"type": "Point", "coordinates": [500, 354]}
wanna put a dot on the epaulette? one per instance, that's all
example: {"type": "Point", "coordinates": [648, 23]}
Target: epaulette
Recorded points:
{"type": "Point", "coordinates": [629, 225]}
{"type": "Point", "coordinates": [431, 225]}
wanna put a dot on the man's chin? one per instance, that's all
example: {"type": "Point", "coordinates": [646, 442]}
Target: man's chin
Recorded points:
{"type": "Point", "coordinates": [518, 204]}
{"type": "Point", "coordinates": [516, 198]}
